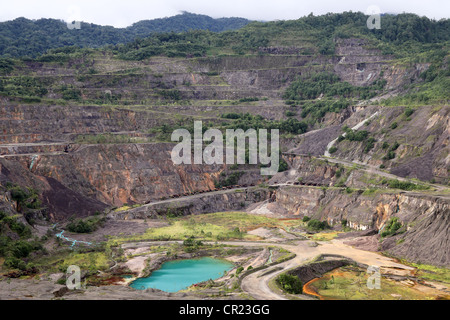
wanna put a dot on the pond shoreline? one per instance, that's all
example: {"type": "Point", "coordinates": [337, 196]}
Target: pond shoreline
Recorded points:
{"type": "Point", "coordinates": [195, 271]}
{"type": "Point", "coordinates": [155, 262]}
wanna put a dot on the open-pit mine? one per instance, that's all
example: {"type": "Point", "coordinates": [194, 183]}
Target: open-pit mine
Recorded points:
{"type": "Point", "coordinates": [359, 207]}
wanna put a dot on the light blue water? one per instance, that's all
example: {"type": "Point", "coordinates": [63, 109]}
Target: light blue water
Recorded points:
{"type": "Point", "coordinates": [178, 275]}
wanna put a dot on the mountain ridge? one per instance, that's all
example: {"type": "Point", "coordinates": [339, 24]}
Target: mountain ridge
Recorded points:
{"type": "Point", "coordinates": [25, 37]}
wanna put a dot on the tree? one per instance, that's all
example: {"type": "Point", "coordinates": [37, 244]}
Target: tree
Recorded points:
{"type": "Point", "coordinates": [290, 283]}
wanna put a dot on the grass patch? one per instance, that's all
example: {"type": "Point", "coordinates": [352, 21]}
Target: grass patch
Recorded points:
{"type": "Point", "coordinates": [126, 207]}
{"type": "Point", "coordinates": [432, 273]}
{"type": "Point", "coordinates": [429, 272]}
{"type": "Point", "coordinates": [243, 221]}
{"type": "Point", "coordinates": [214, 226]}
{"type": "Point", "coordinates": [87, 225]}
{"type": "Point", "coordinates": [60, 261]}
{"type": "Point", "coordinates": [324, 236]}
{"type": "Point", "coordinates": [183, 229]}
{"type": "Point", "coordinates": [351, 284]}
{"type": "Point", "coordinates": [89, 260]}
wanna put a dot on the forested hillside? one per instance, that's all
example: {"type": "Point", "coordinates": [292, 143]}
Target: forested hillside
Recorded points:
{"type": "Point", "coordinates": [24, 37]}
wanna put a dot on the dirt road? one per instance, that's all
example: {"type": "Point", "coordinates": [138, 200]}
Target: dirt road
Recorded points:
{"type": "Point", "coordinates": [256, 284]}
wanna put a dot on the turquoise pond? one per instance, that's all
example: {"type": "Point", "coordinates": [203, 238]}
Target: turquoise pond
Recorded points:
{"type": "Point", "coordinates": [178, 275]}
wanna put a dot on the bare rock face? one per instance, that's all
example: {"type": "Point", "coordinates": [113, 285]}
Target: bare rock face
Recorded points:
{"type": "Point", "coordinates": [427, 136]}
{"type": "Point", "coordinates": [309, 170]}
{"type": "Point", "coordinates": [128, 173]}
{"type": "Point", "coordinates": [358, 65]}
{"type": "Point", "coordinates": [424, 218]}
{"type": "Point", "coordinates": [231, 200]}
{"type": "Point", "coordinates": [96, 176]}
{"type": "Point", "coordinates": [59, 201]}
{"type": "Point", "coordinates": [427, 239]}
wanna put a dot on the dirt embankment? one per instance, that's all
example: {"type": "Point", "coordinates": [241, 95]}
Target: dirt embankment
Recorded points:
{"type": "Point", "coordinates": [324, 264]}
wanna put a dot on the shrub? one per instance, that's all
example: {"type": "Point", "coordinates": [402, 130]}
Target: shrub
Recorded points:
{"type": "Point", "coordinates": [14, 225]}
{"type": "Point", "coordinates": [391, 227]}
{"type": "Point", "coordinates": [250, 99]}
{"type": "Point", "coordinates": [394, 146]}
{"type": "Point", "coordinates": [389, 156]}
{"type": "Point", "coordinates": [318, 225]}
{"type": "Point", "coordinates": [170, 94]}
{"type": "Point", "coordinates": [14, 263]}
{"type": "Point", "coordinates": [85, 226]}
{"type": "Point", "coordinates": [18, 194]}
{"type": "Point", "coordinates": [405, 185]}
{"type": "Point", "coordinates": [283, 166]}
{"type": "Point", "coordinates": [232, 115]}
{"type": "Point", "coordinates": [290, 113]}
{"type": "Point", "coordinates": [22, 249]}
{"type": "Point", "coordinates": [409, 112]}
{"type": "Point", "coordinates": [306, 219]}
{"type": "Point", "coordinates": [370, 144]}
{"type": "Point", "coordinates": [191, 245]}
{"type": "Point", "coordinates": [333, 149]}
{"type": "Point", "coordinates": [290, 283]}
{"type": "Point", "coordinates": [230, 180]}
{"type": "Point", "coordinates": [71, 94]}
{"type": "Point", "coordinates": [357, 135]}
{"type": "Point", "coordinates": [236, 232]}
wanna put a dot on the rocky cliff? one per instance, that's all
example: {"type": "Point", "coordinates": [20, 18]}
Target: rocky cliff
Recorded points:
{"type": "Point", "coordinates": [232, 200]}
{"type": "Point", "coordinates": [425, 235]}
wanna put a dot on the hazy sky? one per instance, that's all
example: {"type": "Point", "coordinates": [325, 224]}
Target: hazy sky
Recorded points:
{"type": "Point", "coordinates": [122, 13]}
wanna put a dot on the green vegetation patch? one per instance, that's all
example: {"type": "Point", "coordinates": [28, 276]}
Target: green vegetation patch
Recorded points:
{"type": "Point", "coordinates": [349, 283]}
{"type": "Point", "coordinates": [289, 283]}
{"type": "Point", "coordinates": [391, 227]}
{"type": "Point", "coordinates": [406, 185]}
{"type": "Point", "coordinates": [317, 225]}
{"type": "Point", "coordinates": [432, 273]}
{"type": "Point", "coordinates": [87, 225]}
{"type": "Point", "coordinates": [16, 244]}
{"type": "Point", "coordinates": [244, 221]}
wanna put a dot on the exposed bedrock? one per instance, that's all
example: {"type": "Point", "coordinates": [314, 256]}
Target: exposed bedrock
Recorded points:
{"type": "Point", "coordinates": [34, 123]}
{"type": "Point", "coordinates": [98, 176]}
{"type": "Point", "coordinates": [59, 201]}
{"type": "Point", "coordinates": [424, 236]}
{"type": "Point", "coordinates": [309, 170]}
{"type": "Point", "coordinates": [230, 200]}
{"type": "Point", "coordinates": [127, 173]}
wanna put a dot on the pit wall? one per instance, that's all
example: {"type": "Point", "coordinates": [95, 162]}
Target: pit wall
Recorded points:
{"type": "Point", "coordinates": [424, 236]}
{"type": "Point", "coordinates": [233, 200]}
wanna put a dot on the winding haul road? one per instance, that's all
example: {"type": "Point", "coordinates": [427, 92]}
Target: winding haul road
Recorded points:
{"type": "Point", "coordinates": [256, 284]}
